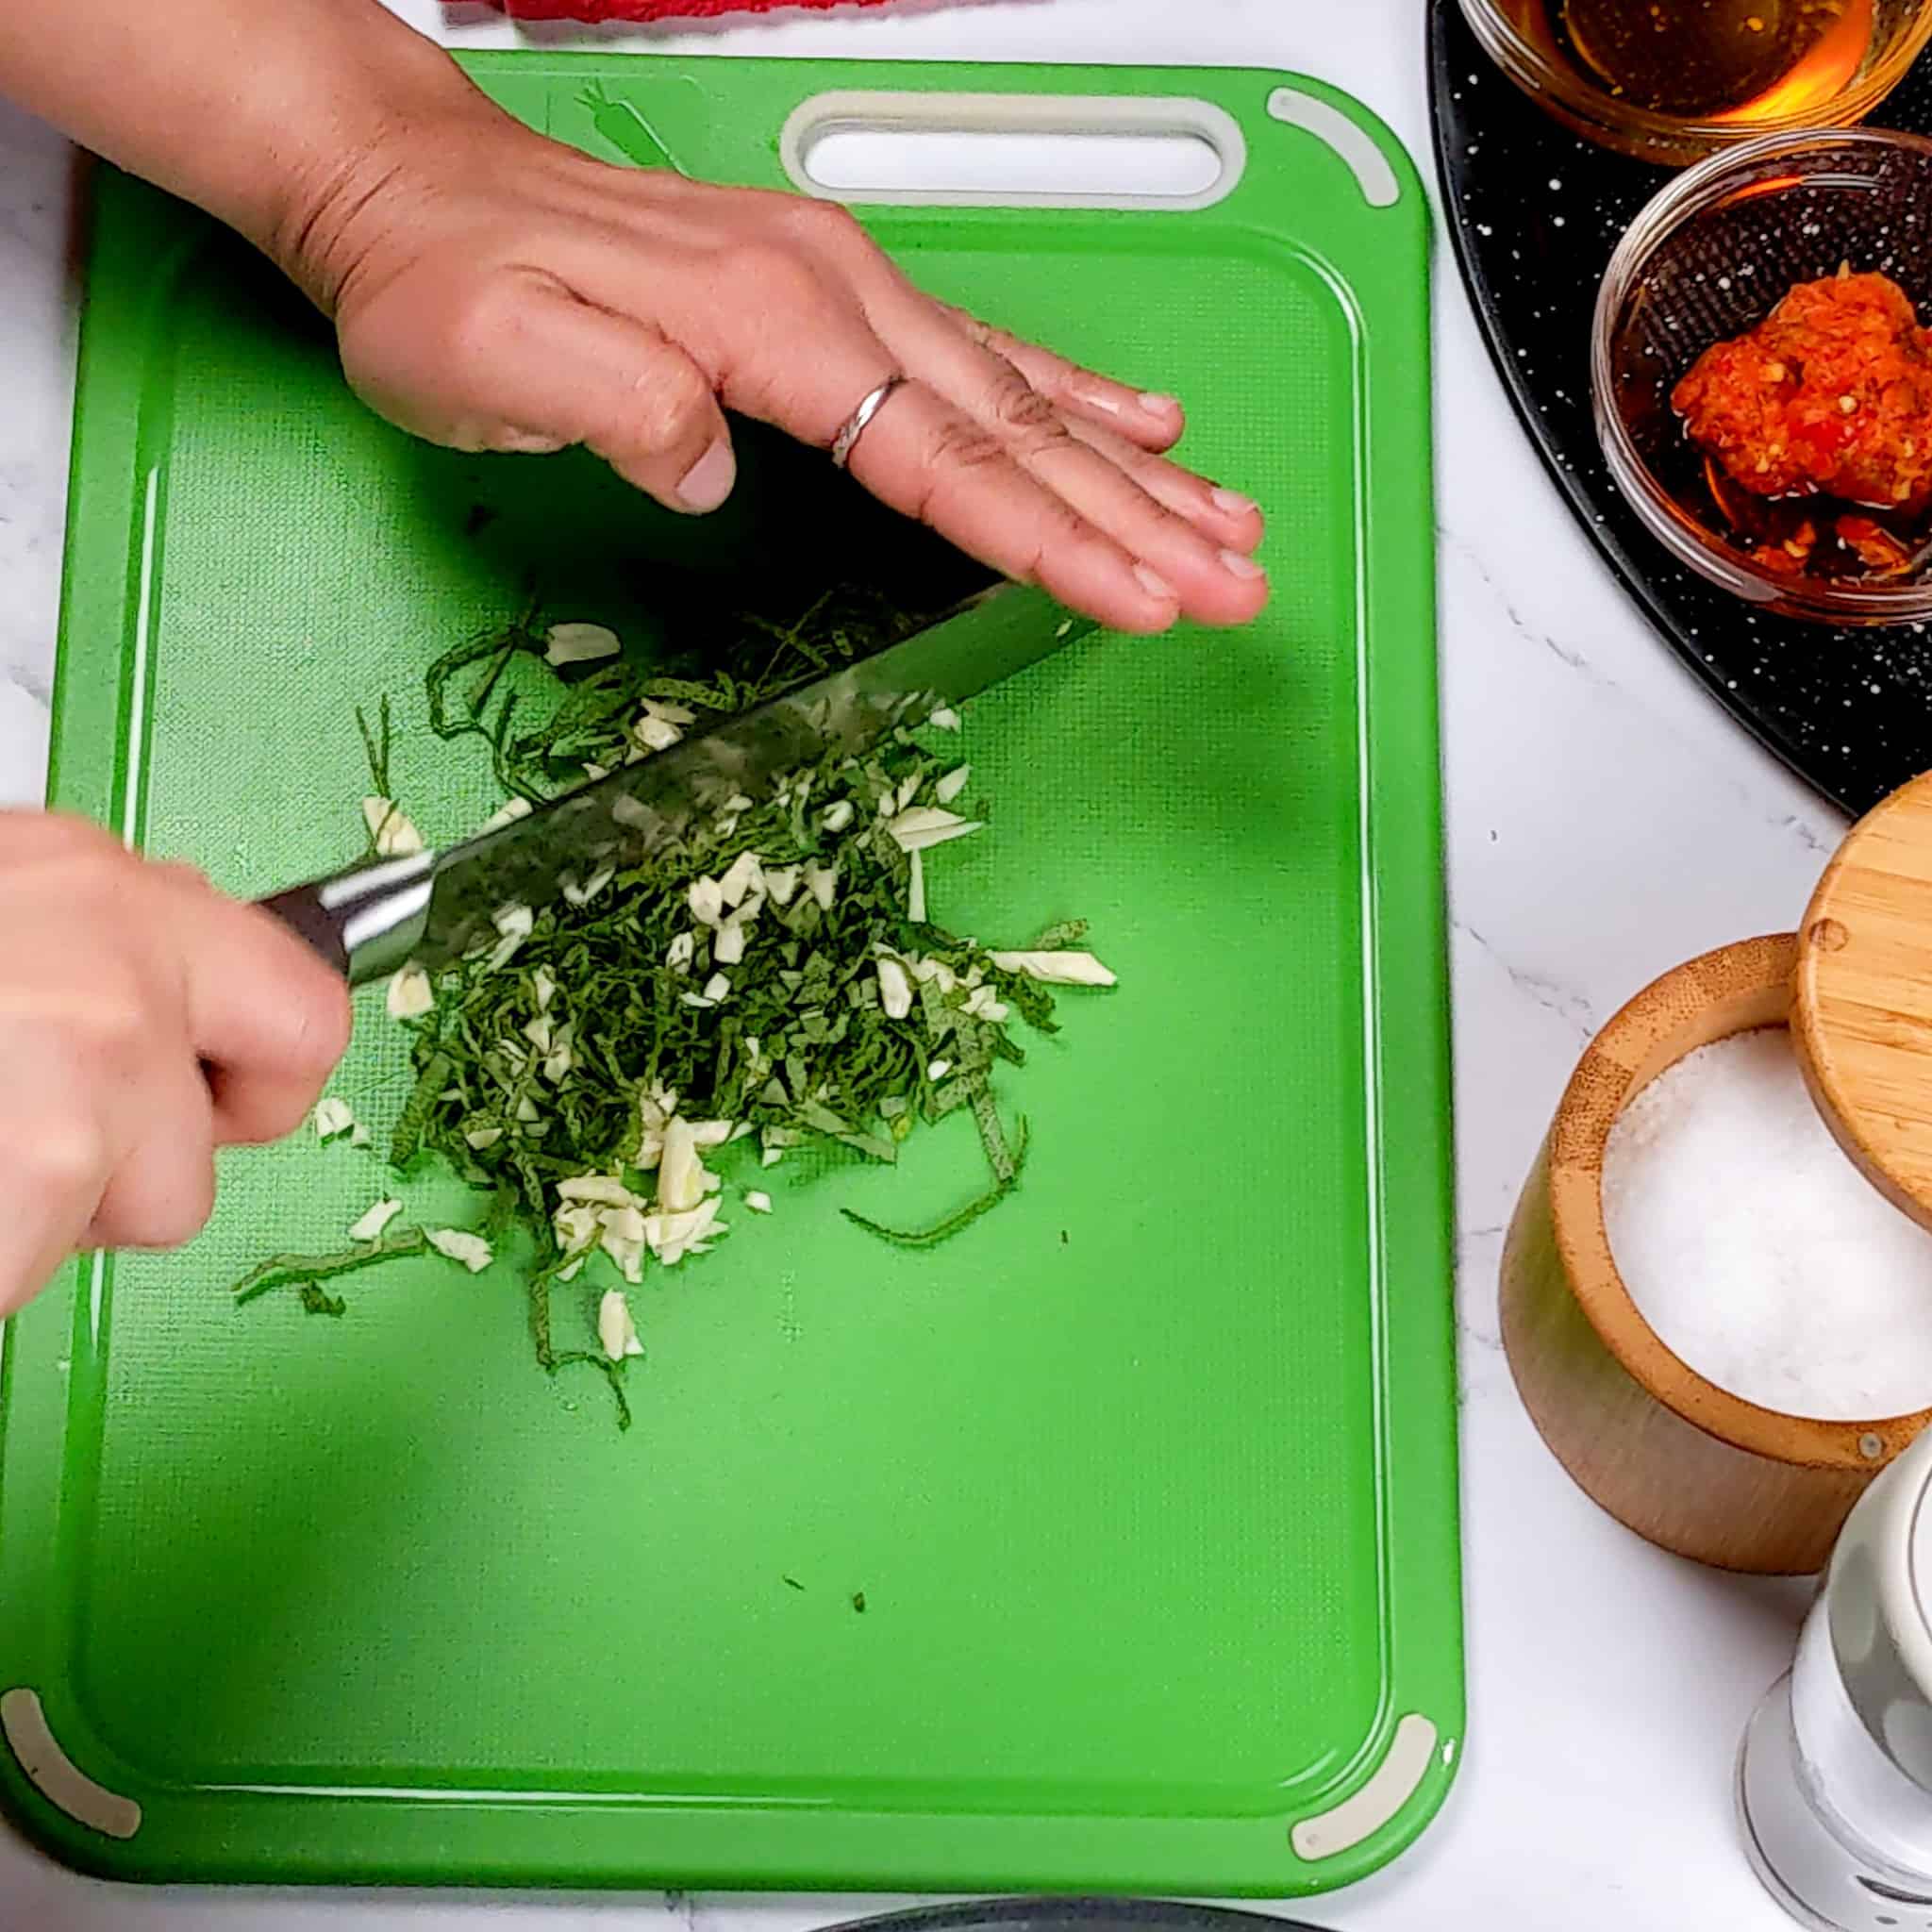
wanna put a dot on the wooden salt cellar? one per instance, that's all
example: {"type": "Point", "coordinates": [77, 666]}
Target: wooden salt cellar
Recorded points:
{"type": "Point", "coordinates": [1679, 1460]}
{"type": "Point", "coordinates": [1683, 1462]}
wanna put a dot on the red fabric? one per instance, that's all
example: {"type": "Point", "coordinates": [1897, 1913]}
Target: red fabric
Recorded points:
{"type": "Point", "coordinates": [594, 10]}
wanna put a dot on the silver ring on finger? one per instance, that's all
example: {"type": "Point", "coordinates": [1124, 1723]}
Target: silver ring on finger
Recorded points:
{"type": "Point", "coordinates": [860, 420]}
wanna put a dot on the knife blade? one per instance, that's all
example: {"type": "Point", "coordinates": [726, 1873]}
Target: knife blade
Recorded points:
{"type": "Point", "coordinates": [431, 907]}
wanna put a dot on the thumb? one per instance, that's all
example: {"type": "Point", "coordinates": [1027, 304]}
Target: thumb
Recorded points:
{"type": "Point", "coordinates": [521, 362]}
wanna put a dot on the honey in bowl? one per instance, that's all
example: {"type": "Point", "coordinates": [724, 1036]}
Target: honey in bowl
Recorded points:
{"type": "Point", "coordinates": [1727, 61]}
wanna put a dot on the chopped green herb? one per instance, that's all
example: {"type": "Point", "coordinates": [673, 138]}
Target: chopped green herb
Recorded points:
{"type": "Point", "coordinates": [375, 746]}
{"type": "Point", "coordinates": [960, 1219]}
{"type": "Point", "coordinates": [781, 982]}
{"type": "Point", "coordinates": [305, 1271]}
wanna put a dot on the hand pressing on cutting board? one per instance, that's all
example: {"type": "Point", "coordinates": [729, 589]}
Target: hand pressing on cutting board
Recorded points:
{"type": "Point", "coordinates": [494, 290]}
{"type": "Point", "coordinates": [145, 1020]}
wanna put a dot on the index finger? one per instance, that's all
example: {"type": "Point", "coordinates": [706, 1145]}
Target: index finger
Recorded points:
{"type": "Point", "coordinates": [269, 1019]}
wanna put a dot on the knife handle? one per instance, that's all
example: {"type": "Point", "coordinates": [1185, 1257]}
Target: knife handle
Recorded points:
{"type": "Point", "coordinates": [366, 922]}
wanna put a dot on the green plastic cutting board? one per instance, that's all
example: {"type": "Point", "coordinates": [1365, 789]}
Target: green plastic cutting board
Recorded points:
{"type": "Point", "coordinates": [1147, 1484]}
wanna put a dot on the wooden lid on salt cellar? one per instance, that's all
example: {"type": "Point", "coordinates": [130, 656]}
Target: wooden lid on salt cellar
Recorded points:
{"type": "Point", "coordinates": [1861, 1006]}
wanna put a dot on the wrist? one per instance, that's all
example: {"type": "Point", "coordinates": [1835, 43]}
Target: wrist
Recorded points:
{"type": "Point", "coordinates": [271, 116]}
{"type": "Point", "coordinates": [364, 131]}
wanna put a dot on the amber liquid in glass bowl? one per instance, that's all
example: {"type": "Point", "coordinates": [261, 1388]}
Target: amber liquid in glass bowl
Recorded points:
{"type": "Point", "coordinates": [1672, 80]}
{"type": "Point", "coordinates": [1742, 61]}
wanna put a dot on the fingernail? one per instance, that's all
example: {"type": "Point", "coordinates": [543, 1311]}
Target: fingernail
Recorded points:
{"type": "Point", "coordinates": [1236, 565]}
{"type": "Point", "coordinates": [709, 481]}
{"type": "Point", "coordinates": [511, 441]}
{"type": "Point", "coordinates": [1154, 584]}
{"type": "Point", "coordinates": [1162, 406]}
{"type": "Point", "coordinates": [1097, 395]}
{"type": "Point", "coordinates": [1235, 504]}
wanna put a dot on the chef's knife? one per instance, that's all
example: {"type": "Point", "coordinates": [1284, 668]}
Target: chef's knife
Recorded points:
{"type": "Point", "coordinates": [432, 906]}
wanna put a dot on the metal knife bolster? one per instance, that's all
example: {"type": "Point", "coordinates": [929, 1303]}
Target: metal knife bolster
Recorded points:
{"type": "Point", "coordinates": [366, 921]}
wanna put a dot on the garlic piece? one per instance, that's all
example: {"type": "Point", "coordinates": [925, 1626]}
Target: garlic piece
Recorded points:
{"type": "Point", "coordinates": [926, 825]}
{"type": "Point", "coordinates": [822, 882]}
{"type": "Point", "coordinates": [471, 1250]}
{"type": "Point", "coordinates": [507, 815]}
{"type": "Point", "coordinates": [653, 730]}
{"type": "Point", "coordinates": [576, 1228]}
{"type": "Point", "coordinates": [606, 1190]}
{"type": "Point", "coordinates": [369, 1227]}
{"type": "Point", "coordinates": [895, 989]}
{"type": "Point", "coordinates": [680, 1173]}
{"type": "Point", "coordinates": [982, 1003]}
{"type": "Point", "coordinates": [747, 875]}
{"type": "Point", "coordinates": [579, 643]}
{"type": "Point", "coordinates": [621, 1235]}
{"type": "Point", "coordinates": [394, 836]}
{"type": "Point", "coordinates": [616, 1331]}
{"type": "Point", "coordinates": [673, 1236]}
{"type": "Point", "coordinates": [513, 924]}
{"type": "Point", "coordinates": [575, 895]}
{"type": "Point", "coordinates": [1057, 968]}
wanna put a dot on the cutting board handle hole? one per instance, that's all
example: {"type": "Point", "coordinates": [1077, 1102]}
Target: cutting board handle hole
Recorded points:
{"type": "Point", "coordinates": [1014, 151]}
{"type": "Point", "coordinates": [862, 160]}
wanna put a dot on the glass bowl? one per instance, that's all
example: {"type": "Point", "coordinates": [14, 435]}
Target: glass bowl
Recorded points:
{"type": "Point", "coordinates": [1851, 66]}
{"type": "Point", "coordinates": [1709, 259]}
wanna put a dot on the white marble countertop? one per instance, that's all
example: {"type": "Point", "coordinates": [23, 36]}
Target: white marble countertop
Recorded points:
{"type": "Point", "coordinates": [1605, 821]}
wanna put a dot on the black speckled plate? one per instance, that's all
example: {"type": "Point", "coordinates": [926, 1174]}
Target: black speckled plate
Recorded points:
{"type": "Point", "coordinates": [1535, 213]}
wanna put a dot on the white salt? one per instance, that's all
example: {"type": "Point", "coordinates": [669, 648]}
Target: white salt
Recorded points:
{"type": "Point", "coordinates": [1757, 1251]}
